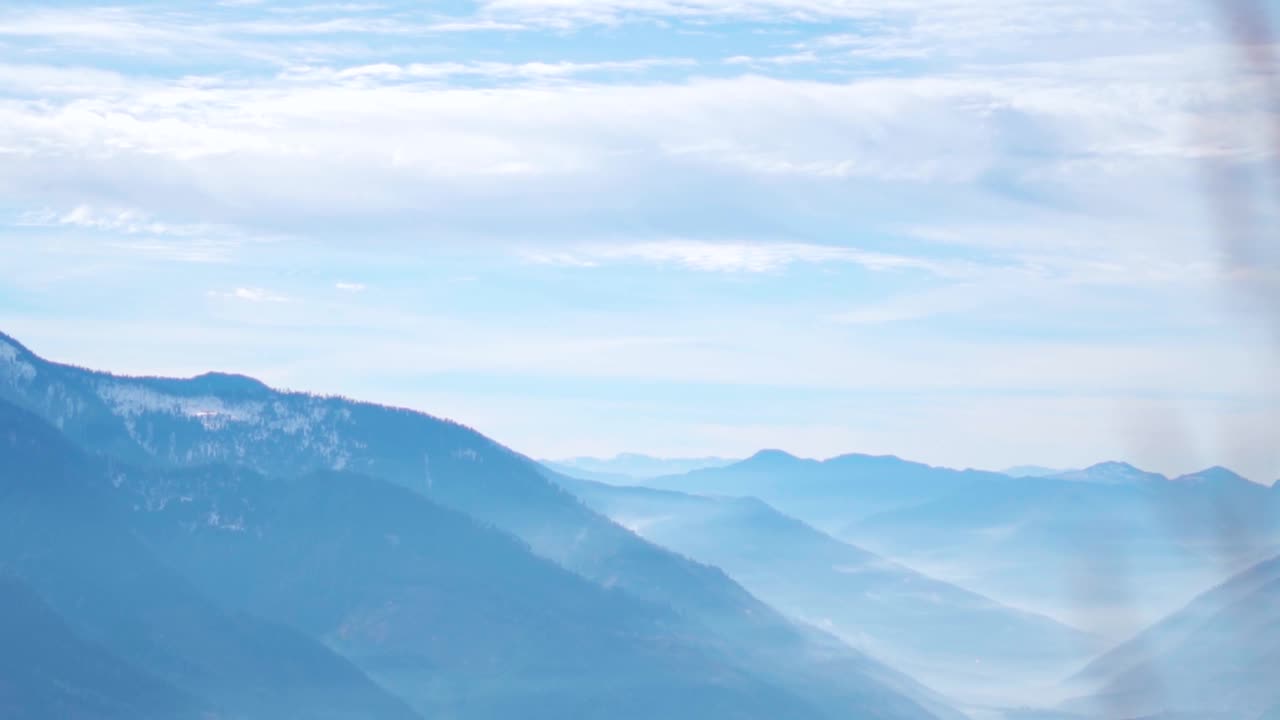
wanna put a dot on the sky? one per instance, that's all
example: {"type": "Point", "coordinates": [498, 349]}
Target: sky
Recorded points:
{"type": "Point", "coordinates": [976, 233]}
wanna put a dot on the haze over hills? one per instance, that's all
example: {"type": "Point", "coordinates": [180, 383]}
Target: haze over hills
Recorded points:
{"type": "Point", "coordinates": [962, 643]}
{"type": "Point", "coordinates": [632, 465]}
{"type": "Point", "coordinates": [397, 565]}
{"type": "Point", "coordinates": [1217, 657]}
{"type": "Point", "coordinates": [1106, 554]}
{"type": "Point", "coordinates": [176, 427]}
{"type": "Point", "coordinates": [828, 494]}
{"type": "Point", "coordinates": [484, 626]}
{"type": "Point", "coordinates": [1108, 548]}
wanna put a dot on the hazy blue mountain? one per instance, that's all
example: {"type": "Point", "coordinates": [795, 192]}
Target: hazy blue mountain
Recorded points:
{"type": "Point", "coordinates": [1165, 636]}
{"type": "Point", "coordinates": [64, 533]}
{"type": "Point", "coordinates": [459, 618]}
{"type": "Point", "coordinates": [1218, 655]}
{"type": "Point", "coordinates": [1110, 473]}
{"type": "Point", "coordinates": [829, 494]}
{"type": "Point", "coordinates": [1219, 478]}
{"type": "Point", "coordinates": [954, 640]}
{"type": "Point", "coordinates": [631, 465]}
{"type": "Point", "coordinates": [1109, 548]}
{"type": "Point", "coordinates": [581, 474]}
{"type": "Point", "coordinates": [1103, 554]}
{"type": "Point", "coordinates": [47, 671]}
{"type": "Point", "coordinates": [166, 423]}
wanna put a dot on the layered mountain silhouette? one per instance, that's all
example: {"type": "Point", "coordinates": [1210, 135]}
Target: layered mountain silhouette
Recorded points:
{"type": "Point", "coordinates": [1104, 553]}
{"type": "Point", "coordinates": [324, 518]}
{"type": "Point", "coordinates": [213, 548]}
{"type": "Point", "coordinates": [1108, 549]}
{"type": "Point", "coordinates": [828, 494]}
{"type": "Point", "coordinates": [953, 639]}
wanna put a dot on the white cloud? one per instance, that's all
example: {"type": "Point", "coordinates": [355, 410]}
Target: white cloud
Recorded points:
{"type": "Point", "coordinates": [1108, 141]}
{"type": "Point", "coordinates": [895, 46]}
{"type": "Point", "coordinates": [108, 230]}
{"type": "Point", "coordinates": [797, 58]}
{"type": "Point", "coordinates": [350, 287]}
{"type": "Point", "coordinates": [256, 32]}
{"type": "Point", "coordinates": [476, 26]}
{"type": "Point", "coordinates": [990, 21]}
{"type": "Point", "coordinates": [259, 144]}
{"type": "Point", "coordinates": [1105, 137]}
{"type": "Point", "coordinates": [612, 11]}
{"type": "Point", "coordinates": [753, 257]}
{"type": "Point", "coordinates": [390, 72]}
{"type": "Point", "coordinates": [251, 294]}
{"type": "Point", "coordinates": [128, 221]}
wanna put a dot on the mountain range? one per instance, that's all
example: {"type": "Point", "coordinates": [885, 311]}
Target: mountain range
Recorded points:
{"type": "Point", "coordinates": [213, 548]}
{"type": "Point", "coordinates": [1106, 549]}
{"type": "Point", "coordinates": [435, 562]}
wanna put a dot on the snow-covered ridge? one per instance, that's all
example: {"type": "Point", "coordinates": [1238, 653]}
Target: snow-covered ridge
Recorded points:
{"type": "Point", "coordinates": [133, 400]}
{"type": "Point", "coordinates": [12, 365]}
{"type": "Point", "coordinates": [130, 400]}
{"type": "Point", "coordinates": [234, 426]}
{"type": "Point", "coordinates": [212, 418]}
{"type": "Point", "coordinates": [1111, 473]}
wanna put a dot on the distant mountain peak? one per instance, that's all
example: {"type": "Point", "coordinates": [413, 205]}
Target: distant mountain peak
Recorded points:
{"type": "Point", "coordinates": [770, 456]}
{"type": "Point", "coordinates": [1113, 466]}
{"type": "Point", "coordinates": [229, 382]}
{"type": "Point", "coordinates": [1216, 475]}
{"type": "Point", "coordinates": [866, 458]}
{"type": "Point", "coordinates": [1111, 472]}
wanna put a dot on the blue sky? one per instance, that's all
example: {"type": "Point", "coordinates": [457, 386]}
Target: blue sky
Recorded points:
{"type": "Point", "coordinates": [971, 233]}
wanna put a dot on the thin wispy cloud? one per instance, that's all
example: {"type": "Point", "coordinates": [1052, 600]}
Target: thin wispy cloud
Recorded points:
{"type": "Point", "coordinates": [131, 222]}
{"type": "Point", "coordinates": [134, 232]}
{"type": "Point", "coordinates": [749, 257]}
{"type": "Point", "coordinates": [388, 72]}
{"type": "Point", "coordinates": [251, 295]}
